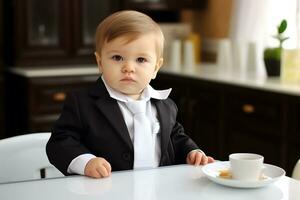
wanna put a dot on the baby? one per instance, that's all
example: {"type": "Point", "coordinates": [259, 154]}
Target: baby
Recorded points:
{"type": "Point", "coordinates": [122, 122]}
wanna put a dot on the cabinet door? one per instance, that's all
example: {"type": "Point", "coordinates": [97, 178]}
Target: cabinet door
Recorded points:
{"type": "Point", "coordinates": [1, 109]}
{"type": "Point", "coordinates": [41, 31]}
{"type": "Point", "coordinates": [1, 76]}
{"type": "Point", "coordinates": [34, 104]}
{"type": "Point", "coordinates": [253, 122]}
{"type": "Point", "coordinates": [293, 151]}
{"type": "Point", "coordinates": [87, 15]}
{"type": "Point", "coordinates": [47, 96]}
{"type": "Point", "coordinates": [204, 112]}
{"type": "Point", "coordinates": [293, 155]}
{"type": "Point", "coordinates": [199, 108]}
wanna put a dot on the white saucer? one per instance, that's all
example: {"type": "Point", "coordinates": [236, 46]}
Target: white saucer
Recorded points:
{"type": "Point", "coordinates": [271, 172]}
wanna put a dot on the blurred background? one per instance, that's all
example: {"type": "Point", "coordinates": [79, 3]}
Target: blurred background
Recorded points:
{"type": "Point", "coordinates": [46, 47]}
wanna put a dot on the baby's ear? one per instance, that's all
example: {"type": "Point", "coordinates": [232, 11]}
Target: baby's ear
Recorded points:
{"type": "Point", "coordinates": [98, 59]}
{"type": "Point", "coordinates": [157, 67]}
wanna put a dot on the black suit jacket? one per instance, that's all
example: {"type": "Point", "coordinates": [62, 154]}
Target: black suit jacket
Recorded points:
{"type": "Point", "coordinates": [92, 122]}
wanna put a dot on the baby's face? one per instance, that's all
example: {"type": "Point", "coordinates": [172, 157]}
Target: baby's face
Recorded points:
{"type": "Point", "coordinates": [129, 67]}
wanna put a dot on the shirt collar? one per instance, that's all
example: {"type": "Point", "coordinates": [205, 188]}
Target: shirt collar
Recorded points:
{"type": "Point", "coordinates": [147, 93]}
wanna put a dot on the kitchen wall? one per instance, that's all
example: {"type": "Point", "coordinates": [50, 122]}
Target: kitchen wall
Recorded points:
{"type": "Point", "coordinates": [211, 23]}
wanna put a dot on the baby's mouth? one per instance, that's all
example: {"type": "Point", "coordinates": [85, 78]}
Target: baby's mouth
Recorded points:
{"type": "Point", "coordinates": [127, 79]}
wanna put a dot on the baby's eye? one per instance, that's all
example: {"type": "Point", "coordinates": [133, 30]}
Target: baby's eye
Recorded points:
{"type": "Point", "coordinates": [141, 60]}
{"type": "Point", "coordinates": [117, 58]}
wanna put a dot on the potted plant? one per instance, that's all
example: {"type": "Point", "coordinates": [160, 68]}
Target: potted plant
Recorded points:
{"type": "Point", "coordinates": [272, 56]}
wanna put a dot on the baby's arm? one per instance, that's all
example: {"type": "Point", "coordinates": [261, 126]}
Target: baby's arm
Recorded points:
{"type": "Point", "coordinates": [97, 168]}
{"type": "Point", "coordinates": [196, 158]}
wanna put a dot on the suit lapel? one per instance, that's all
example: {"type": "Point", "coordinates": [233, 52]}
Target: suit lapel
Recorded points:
{"type": "Point", "coordinates": [164, 119]}
{"type": "Point", "coordinates": [110, 109]}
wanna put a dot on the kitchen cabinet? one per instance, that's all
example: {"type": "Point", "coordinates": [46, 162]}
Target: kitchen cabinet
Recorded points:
{"type": "Point", "coordinates": [55, 31]}
{"type": "Point", "coordinates": [225, 118]}
{"type": "Point", "coordinates": [1, 75]}
{"type": "Point", "coordinates": [2, 123]}
{"type": "Point", "coordinates": [254, 121]}
{"type": "Point", "coordinates": [163, 10]}
{"type": "Point", "coordinates": [59, 32]}
{"type": "Point", "coordinates": [204, 116]}
{"type": "Point", "coordinates": [199, 109]}
{"type": "Point", "coordinates": [33, 104]}
{"type": "Point", "coordinates": [293, 142]}
{"type": "Point", "coordinates": [87, 15]}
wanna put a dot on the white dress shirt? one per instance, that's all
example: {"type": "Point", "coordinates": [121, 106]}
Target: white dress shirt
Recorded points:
{"type": "Point", "coordinates": [78, 164]}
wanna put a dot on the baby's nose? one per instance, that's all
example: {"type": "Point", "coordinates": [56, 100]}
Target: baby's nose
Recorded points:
{"type": "Point", "coordinates": [128, 67]}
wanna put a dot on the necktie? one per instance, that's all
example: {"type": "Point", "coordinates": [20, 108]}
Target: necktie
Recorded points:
{"type": "Point", "coordinates": [143, 143]}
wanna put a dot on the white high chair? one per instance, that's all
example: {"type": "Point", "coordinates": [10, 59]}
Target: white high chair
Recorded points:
{"type": "Point", "coordinates": [24, 158]}
{"type": "Point", "coordinates": [296, 171]}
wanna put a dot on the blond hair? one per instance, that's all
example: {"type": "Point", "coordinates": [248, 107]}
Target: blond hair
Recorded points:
{"type": "Point", "coordinates": [131, 24]}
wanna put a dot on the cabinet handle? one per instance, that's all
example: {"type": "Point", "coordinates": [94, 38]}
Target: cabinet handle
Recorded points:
{"type": "Point", "coordinates": [248, 108]}
{"type": "Point", "coordinates": [59, 96]}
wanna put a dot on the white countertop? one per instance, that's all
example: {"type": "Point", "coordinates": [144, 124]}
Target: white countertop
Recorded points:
{"type": "Point", "coordinates": [174, 183]}
{"type": "Point", "coordinates": [209, 72]}
{"type": "Point", "coordinates": [56, 71]}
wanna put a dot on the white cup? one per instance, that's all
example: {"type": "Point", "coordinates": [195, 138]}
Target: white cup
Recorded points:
{"type": "Point", "coordinates": [246, 166]}
{"type": "Point", "coordinates": [188, 55]}
{"type": "Point", "coordinates": [252, 57]}
{"type": "Point", "coordinates": [224, 54]}
{"type": "Point", "coordinates": [238, 55]}
{"type": "Point", "coordinates": [175, 55]}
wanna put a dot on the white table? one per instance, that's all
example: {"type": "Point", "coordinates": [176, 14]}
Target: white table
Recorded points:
{"type": "Point", "coordinates": [176, 182]}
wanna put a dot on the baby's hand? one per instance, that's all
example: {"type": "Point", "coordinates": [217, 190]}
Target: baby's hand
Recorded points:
{"type": "Point", "coordinates": [198, 158]}
{"type": "Point", "coordinates": [97, 168]}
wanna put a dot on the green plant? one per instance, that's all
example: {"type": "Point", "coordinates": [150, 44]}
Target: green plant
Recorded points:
{"type": "Point", "coordinates": [275, 53]}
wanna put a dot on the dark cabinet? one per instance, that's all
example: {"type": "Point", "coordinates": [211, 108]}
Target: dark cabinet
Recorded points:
{"type": "Point", "coordinates": [56, 31]}
{"type": "Point", "coordinates": [33, 104]}
{"type": "Point", "coordinates": [224, 118]}
{"type": "Point", "coordinates": [198, 109]}
{"type": "Point", "coordinates": [2, 122]}
{"type": "Point", "coordinates": [163, 4]}
{"type": "Point", "coordinates": [41, 31]}
{"type": "Point", "coordinates": [253, 122]}
{"type": "Point", "coordinates": [87, 15]}
{"type": "Point", "coordinates": [204, 116]}
{"type": "Point", "coordinates": [293, 142]}
{"type": "Point", "coordinates": [1, 74]}
{"type": "Point", "coordinates": [163, 10]}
